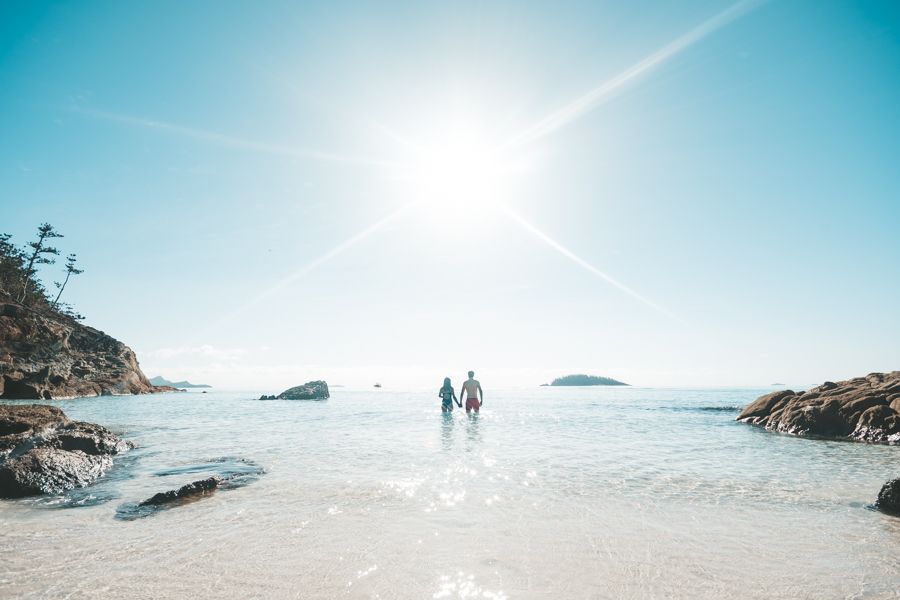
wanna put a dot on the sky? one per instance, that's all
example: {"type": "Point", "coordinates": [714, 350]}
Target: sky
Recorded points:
{"type": "Point", "coordinates": [696, 193]}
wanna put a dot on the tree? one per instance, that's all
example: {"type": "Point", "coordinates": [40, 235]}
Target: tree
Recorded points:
{"type": "Point", "coordinates": [11, 265]}
{"type": "Point", "coordinates": [70, 270]}
{"type": "Point", "coordinates": [40, 255]}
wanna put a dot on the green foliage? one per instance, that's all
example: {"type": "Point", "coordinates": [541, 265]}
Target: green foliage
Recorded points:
{"type": "Point", "coordinates": [585, 380]}
{"type": "Point", "coordinates": [70, 270]}
{"type": "Point", "coordinates": [19, 281]}
{"type": "Point", "coordinates": [12, 265]}
{"type": "Point", "coordinates": [40, 254]}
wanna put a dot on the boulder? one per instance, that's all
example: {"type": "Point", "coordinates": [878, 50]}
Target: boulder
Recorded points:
{"type": "Point", "coordinates": [889, 497]}
{"type": "Point", "coordinates": [46, 355]}
{"type": "Point", "coordinates": [863, 409]}
{"type": "Point", "coordinates": [312, 390]}
{"type": "Point", "coordinates": [42, 451]}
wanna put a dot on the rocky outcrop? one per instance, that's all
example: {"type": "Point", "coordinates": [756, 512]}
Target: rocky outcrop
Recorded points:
{"type": "Point", "coordinates": [46, 355]}
{"type": "Point", "coordinates": [865, 409]}
{"type": "Point", "coordinates": [42, 451]}
{"type": "Point", "coordinates": [185, 492]}
{"type": "Point", "coordinates": [312, 390]}
{"type": "Point", "coordinates": [889, 497]}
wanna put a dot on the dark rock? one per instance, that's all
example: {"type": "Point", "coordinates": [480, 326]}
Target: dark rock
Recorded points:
{"type": "Point", "coordinates": [44, 452]}
{"type": "Point", "coordinates": [197, 488]}
{"type": "Point", "coordinates": [889, 497]}
{"type": "Point", "coordinates": [49, 471]}
{"type": "Point", "coordinates": [863, 409]}
{"type": "Point", "coordinates": [229, 473]}
{"type": "Point", "coordinates": [270, 397]}
{"type": "Point", "coordinates": [46, 355]}
{"type": "Point", "coordinates": [313, 390]}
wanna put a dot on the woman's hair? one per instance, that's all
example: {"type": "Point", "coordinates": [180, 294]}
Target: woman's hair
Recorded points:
{"type": "Point", "coordinates": [446, 382]}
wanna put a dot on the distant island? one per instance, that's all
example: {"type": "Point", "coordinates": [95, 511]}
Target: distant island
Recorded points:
{"type": "Point", "coordinates": [159, 380]}
{"type": "Point", "coordinates": [575, 380]}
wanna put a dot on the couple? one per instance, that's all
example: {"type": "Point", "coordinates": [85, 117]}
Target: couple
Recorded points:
{"type": "Point", "coordinates": [471, 389]}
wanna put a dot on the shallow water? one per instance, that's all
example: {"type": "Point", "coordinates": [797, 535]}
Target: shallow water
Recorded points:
{"type": "Point", "coordinates": [549, 493]}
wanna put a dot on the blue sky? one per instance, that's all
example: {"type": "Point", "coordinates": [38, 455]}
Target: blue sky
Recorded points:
{"type": "Point", "coordinates": [704, 193]}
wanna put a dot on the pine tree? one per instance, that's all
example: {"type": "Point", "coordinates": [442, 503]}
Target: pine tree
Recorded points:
{"type": "Point", "coordinates": [40, 255]}
{"type": "Point", "coordinates": [12, 265]}
{"type": "Point", "coordinates": [70, 270]}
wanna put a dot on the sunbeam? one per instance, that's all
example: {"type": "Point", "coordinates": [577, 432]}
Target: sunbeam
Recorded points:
{"type": "Point", "coordinates": [233, 141]}
{"type": "Point", "coordinates": [308, 267]}
{"type": "Point", "coordinates": [596, 96]}
{"type": "Point", "coordinates": [525, 224]}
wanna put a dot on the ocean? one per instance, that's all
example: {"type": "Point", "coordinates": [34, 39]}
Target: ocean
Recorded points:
{"type": "Point", "coordinates": [548, 493]}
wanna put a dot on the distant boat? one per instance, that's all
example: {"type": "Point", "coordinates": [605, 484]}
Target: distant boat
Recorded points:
{"type": "Point", "coordinates": [378, 385]}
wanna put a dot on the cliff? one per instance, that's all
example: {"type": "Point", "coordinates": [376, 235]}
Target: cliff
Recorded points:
{"type": "Point", "coordinates": [47, 355]}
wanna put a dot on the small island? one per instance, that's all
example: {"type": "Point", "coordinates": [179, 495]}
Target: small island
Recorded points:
{"type": "Point", "coordinates": [160, 380]}
{"type": "Point", "coordinates": [311, 390]}
{"type": "Point", "coordinates": [584, 380]}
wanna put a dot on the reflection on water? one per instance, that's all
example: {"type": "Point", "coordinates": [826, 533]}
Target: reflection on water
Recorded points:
{"type": "Point", "coordinates": [447, 426]}
{"type": "Point", "coordinates": [611, 493]}
{"type": "Point", "coordinates": [473, 432]}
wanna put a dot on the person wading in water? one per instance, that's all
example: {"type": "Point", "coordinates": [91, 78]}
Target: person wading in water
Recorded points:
{"type": "Point", "coordinates": [471, 389]}
{"type": "Point", "coordinates": [448, 396]}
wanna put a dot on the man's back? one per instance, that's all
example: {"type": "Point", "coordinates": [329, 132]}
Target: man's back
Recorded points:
{"type": "Point", "coordinates": [471, 386]}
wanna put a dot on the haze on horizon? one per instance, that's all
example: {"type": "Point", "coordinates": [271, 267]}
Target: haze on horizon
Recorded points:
{"type": "Point", "coordinates": [702, 193]}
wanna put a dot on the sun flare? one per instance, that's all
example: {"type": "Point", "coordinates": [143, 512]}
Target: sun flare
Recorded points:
{"type": "Point", "coordinates": [457, 168]}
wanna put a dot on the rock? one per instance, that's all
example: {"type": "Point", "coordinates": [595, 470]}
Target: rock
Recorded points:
{"type": "Point", "coordinates": [42, 451]}
{"type": "Point", "coordinates": [46, 355]}
{"type": "Point", "coordinates": [313, 390]}
{"type": "Point", "coordinates": [270, 397]}
{"type": "Point", "coordinates": [889, 497]}
{"type": "Point", "coordinates": [863, 409]}
{"type": "Point", "coordinates": [197, 488]}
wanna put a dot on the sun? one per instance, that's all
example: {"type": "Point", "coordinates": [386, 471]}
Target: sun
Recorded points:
{"type": "Point", "coordinates": [456, 168]}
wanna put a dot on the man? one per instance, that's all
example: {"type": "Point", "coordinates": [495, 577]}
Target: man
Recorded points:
{"type": "Point", "coordinates": [471, 388]}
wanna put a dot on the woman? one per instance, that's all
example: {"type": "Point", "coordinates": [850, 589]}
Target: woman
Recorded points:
{"type": "Point", "coordinates": [448, 396]}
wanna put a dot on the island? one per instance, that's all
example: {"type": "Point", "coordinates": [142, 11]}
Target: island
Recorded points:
{"type": "Point", "coordinates": [311, 390]}
{"type": "Point", "coordinates": [584, 380]}
{"type": "Point", "coordinates": [160, 380]}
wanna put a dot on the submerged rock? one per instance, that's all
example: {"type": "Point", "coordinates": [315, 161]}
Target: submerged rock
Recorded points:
{"type": "Point", "coordinates": [863, 409]}
{"type": "Point", "coordinates": [42, 451]}
{"type": "Point", "coordinates": [196, 488]}
{"type": "Point", "coordinates": [46, 355]}
{"type": "Point", "coordinates": [889, 497]}
{"type": "Point", "coordinates": [230, 473]}
{"type": "Point", "coordinates": [312, 390]}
